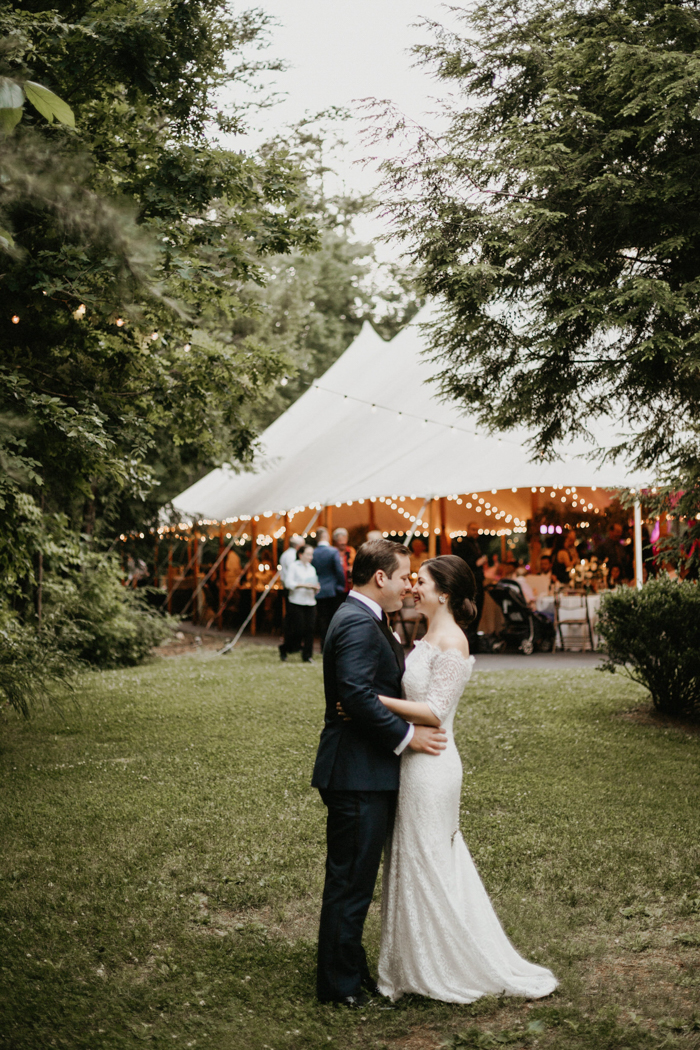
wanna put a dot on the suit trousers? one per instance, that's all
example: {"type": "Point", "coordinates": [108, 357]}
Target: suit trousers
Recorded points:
{"type": "Point", "coordinates": [357, 826]}
{"type": "Point", "coordinates": [299, 630]}
{"type": "Point", "coordinates": [326, 611]}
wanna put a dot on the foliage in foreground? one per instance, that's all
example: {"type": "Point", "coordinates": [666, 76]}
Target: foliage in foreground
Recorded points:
{"type": "Point", "coordinates": [162, 865]}
{"type": "Point", "coordinates": [34, 670]}
{"type": "Point", "coordinates": [652, 636]}
{"type": "Point", "coordinates": [97, 620]}
{"type": "Point", "coordinates": [557, 217]}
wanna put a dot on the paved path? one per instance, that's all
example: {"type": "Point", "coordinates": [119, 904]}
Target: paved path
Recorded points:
{"type": "Point", "coordinates": [484, 661]}
{"type": "Point", "coordinates": [518, 662]}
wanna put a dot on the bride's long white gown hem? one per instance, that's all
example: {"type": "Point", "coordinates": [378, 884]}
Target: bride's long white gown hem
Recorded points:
{"type": "Point", "coordinates": [441, 937]}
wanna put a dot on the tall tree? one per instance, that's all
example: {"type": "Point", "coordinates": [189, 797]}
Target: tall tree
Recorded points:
{"type": "Point", "coordinates": [558, 218]}
{"type": "Point", "coordinates": [130, 241]}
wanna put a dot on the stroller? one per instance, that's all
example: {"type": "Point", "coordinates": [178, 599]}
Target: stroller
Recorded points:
{"type": "Point", "coordinates": [524, 629]}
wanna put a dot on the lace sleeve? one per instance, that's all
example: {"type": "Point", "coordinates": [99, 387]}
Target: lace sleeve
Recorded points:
{"type": "Point", "coordinates": [449, 672]}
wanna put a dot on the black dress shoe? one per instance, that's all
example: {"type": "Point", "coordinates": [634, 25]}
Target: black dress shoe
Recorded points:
{"type": "Point", "coordinates": [354, 1002]}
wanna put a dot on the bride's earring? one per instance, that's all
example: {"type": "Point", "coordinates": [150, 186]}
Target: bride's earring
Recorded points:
{"type": "Point", "coordinates": [442, 599]}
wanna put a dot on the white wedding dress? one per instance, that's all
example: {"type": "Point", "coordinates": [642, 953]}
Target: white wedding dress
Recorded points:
{"type": "Point", "coordinates": [440, 935]}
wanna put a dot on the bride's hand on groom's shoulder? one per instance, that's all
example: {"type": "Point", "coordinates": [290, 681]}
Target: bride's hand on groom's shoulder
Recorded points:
{"type": "Point", "coordinates": [431, 740]}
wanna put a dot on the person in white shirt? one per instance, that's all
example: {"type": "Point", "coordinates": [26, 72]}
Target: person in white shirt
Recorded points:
{"type": "Point", "coordinates": [289, 556]}
{"type": "Point", "coordinates": [303, 585]}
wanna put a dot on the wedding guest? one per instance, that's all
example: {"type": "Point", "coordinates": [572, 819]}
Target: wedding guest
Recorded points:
{"type": "Point", "coordinates": [470, 551]}
{"type": "Point", "coordinates": [232, 569]}
{"type": "Point", "coordinates": [419, 554]}
{"type": "Point", "coordinates": [301, 607]}
{"type": "Point", "coordinates": [347, 557]}
{"type": "Point", "coordinates": [545, 565]}
{"type": "Point", "coordinates": [327, 564]}
{"type": "Point", "coordinates": [612, 551]}
{"type": "Point", "coordinates": [565, 556]}
{"type": "Point", "coordinates": [289, 557]}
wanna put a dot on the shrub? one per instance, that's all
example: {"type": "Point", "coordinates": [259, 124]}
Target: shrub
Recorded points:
{"type": "Point", "coordinates": [653, 636]}
{"type": "Point", "coordinates": [99, 621]}
{"type": "Point", "coordinates": [32, 666]}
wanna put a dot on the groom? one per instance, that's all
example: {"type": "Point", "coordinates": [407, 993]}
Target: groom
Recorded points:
{"type": "Point", "coordinates": [357, 765]}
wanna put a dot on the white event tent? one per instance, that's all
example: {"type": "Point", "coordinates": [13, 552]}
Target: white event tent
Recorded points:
{"type": "Point", "coordinates": [374, 428]}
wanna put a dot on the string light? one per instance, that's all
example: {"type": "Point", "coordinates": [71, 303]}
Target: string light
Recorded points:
{"type": "Point", "coordinates": [119, 322]}
{"type": "Point", "coordinates": [15, 319]}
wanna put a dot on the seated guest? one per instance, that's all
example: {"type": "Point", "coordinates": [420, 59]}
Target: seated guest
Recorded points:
{"type": "Point", "coordinates": [540, 582]}
{"type": "Point", "coordinates": [612, 551]}
{"type": "Point", "coordinates": [565, 557]}
{"type": "Point", "coordinates": [301, 607]}
{"type": "Point", "coordinates": [232, 570]}
{"type": "Point", "coordinates": [331, 578]}
{"type": "Point", "coordinates": [419, 553]}
{"type": "Point", "coordinates": [347, 557]}
{"type": "Point", "coordinates": [545, 565]}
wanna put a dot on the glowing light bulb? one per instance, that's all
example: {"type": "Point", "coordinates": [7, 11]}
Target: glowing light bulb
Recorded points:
{"type": "Point", "coordinates": [119, 322]}
{"type": "Point", "coordinates": [15, 319]}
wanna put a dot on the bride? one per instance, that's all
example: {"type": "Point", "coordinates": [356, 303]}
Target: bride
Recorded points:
{"type": "Point", "coordinates": [440, 935]}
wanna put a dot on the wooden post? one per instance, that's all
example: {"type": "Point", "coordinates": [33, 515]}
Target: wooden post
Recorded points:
{"type": "Point", "coordinates": [535, 544]}
{"type": "Point", "coordinates": [445, 541]}
{"type": "Point", "coordinates": [503, 547]}
{"type": "Point", "coordinates": [285, 541]}
{"type": "Point", "coordinates": [195, 577]}
{"type": "Point", "coordinates": [372, 516]}
{"type": "Point", "coordinates": [170, 577]}
{"type": "Point", "coordinates": [432, 518]}
{"type": "Point", "coordinates": [222, 578]}
{"type": "Point", "coordinates": [253, 571]}
{"type": "Point", "coordinates": [638, 558]}
{"type": "Point", "coordinates": [329, 521]}
{"type": "Point", "coordinates": [155, 561]}
{"type": "Point", "coordinates": [275, 559]}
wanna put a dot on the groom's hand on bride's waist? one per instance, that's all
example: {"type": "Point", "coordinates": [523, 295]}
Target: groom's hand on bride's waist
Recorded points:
{"type": "Point", "coordinates": [431, 740]}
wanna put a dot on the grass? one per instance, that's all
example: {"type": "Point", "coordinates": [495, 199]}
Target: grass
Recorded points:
{"type": "Point", "coordinates": [163, 855]}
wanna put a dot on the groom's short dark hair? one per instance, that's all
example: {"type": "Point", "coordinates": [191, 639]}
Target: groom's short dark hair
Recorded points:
{"type": "Point", "coordinates": [375, 555]}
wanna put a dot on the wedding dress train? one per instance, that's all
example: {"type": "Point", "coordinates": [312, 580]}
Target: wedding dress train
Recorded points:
{"type": "Point", "coordinates": [440, 934]}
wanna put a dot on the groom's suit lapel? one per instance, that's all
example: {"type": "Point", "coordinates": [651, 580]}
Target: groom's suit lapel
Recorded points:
{"type": "Point", "coordinates": [383, 626]}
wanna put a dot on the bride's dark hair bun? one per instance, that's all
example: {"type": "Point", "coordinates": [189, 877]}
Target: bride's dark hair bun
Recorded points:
{"type": "Point", "coordinates": [455, 579]}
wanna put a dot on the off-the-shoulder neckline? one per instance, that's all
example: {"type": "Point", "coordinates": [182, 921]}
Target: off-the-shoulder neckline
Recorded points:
{"type": "Point", "coordinates": [453, 649]}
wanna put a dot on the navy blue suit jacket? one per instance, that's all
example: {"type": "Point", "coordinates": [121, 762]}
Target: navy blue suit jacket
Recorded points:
{"type": "Point", "coordinates": [361, 658]}
{"type": "Point", "coordinates": [326, 562]}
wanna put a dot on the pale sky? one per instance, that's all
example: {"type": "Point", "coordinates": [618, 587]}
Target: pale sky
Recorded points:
{"type": "Point", "coordinates": [342, 51]}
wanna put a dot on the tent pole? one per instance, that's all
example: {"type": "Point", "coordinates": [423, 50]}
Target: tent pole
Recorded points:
{"type": "Point", "coordinates": [432, 516]}
{"type": "Point", "coordinates": [285, 541]}
{"type": "Point", "coordinates": [638, 561]}
{"type": "Point", "coordinates": [155, 560]}
{"type": "Point", "coordinates": [220, 614]}
{"type": "Point", "coordinates": [253, 573]}
{"type": "Point", "coordinates": [414, 523]}
{"type": "Point", "coordinates": [329, 519]}
{"type": "Point", "coordinates": [170, 577]}
{"type": "Point", "coordinates": [445, 542]}
{"type": "Point", "coordinates": [195, 577]}
{"type": "Point", "coordinates": [372, 517]}
{"type": "Point", "coordinates": [503, 547]}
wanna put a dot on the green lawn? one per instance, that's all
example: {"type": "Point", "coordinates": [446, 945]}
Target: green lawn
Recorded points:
{"type": "Point", "coordinates": [163, 853]}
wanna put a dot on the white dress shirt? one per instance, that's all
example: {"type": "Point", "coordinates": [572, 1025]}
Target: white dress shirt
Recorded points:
{"type": "Point", "coordinates": [377, 610]}
{"type": "Point", "coordinates": [286, 561]}
{"type": "Point", "coordinates": [299, 576]}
